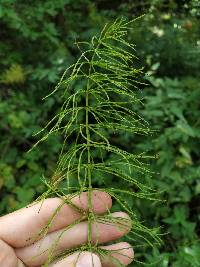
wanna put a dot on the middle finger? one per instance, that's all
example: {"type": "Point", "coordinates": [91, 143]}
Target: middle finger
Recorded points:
{"type": "Point", "coordinates": [36, 254]}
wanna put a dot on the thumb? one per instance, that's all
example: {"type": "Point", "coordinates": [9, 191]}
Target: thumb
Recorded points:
{"type": "Point", "coordinates": [87, 259]}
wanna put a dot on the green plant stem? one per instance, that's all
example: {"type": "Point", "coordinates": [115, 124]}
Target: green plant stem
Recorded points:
{"type": "Point", "coordinates": [89, 176]}
{"type": "Point", "coordinates": [89, 172]}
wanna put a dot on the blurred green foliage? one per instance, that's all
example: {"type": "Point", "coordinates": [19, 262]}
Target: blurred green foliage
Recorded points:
{"type": "Point", "coordinates": [37, 45]}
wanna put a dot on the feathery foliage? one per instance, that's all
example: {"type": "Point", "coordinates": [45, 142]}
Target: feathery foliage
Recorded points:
{"type": "Point", "coordinates": [103, 83]}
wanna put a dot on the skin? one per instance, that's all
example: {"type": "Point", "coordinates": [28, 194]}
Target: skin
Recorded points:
{"type": "Point", "coordinates": [18, 248]}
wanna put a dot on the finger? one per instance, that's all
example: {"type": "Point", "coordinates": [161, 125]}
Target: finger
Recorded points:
{"type": "Point", "coordinates": [27, 222]}
{"type": "Point", "coordinates": [36, 254]}
{"type": "Point", "coordinates": [118, 253]}
{"type": "Point", "coordinates": [7, 255]}
{"type": "Point", "coordinates": [83, 259]}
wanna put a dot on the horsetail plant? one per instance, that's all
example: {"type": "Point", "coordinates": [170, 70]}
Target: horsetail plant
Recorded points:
{"type": "Point", "coordinates": [99, 92]}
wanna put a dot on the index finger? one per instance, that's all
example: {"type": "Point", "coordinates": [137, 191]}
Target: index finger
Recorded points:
{"type": "Point", "coordinates": [19, 228]}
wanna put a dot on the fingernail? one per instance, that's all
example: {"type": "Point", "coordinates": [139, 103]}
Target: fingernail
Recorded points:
{"type": "Point", "coordinates": [88, 260]}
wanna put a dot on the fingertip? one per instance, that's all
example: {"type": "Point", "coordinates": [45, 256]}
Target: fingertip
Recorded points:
{"type": "Point", "coordinates": [121, 252]}
{"type": "Point", "coordinates": [101, 201]}
{"type": "Point", "coordinates": [125, 221]}
{"type": "Point", "coordinates": [127, 253]}
{"type": "Point", "coordinates": [87, 259]}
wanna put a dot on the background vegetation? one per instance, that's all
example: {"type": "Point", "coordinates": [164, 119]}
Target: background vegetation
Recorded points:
{"type": "Point", "coordinates": [37, 45]}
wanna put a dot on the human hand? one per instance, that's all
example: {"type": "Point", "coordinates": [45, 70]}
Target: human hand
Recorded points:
{"type": "Point", "coordinates": [18, 249]}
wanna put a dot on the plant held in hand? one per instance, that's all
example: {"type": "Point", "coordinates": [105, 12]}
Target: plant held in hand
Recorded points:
{"type": "Point", "coordinates": [99, 94]}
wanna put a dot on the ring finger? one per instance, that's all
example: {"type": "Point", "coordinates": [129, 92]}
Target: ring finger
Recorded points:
{"type": "Point", "coordinates": [120, 254]}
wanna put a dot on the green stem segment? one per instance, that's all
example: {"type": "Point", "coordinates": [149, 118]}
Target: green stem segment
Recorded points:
{"type": "Point", "coordinates": [89, 169]}
{"type": "Point", "coordinates": [89, 173]}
